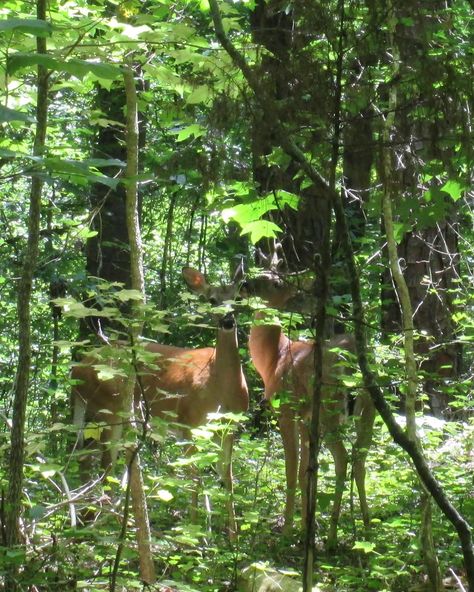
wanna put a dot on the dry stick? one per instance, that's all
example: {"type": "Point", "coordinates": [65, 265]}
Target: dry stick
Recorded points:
{"type": "Point", "coordinates": [457, 520]}
{"type": "Point", "coordinates": [428, 550]}
{"type": "Point", "coordinates": [135, 489]}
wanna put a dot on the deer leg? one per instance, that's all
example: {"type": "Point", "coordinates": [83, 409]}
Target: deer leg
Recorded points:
{"type": "Point", "coordinates": [287, 423]}
{"type": "Point", "coordinates": [110, 437]}
{"type": "Point", "coordinates": [303, 469]}
{"type": "Point", "coordinates": [194, 478]}
{"type": "Point", "coordinates": [339, 454]}
{"type": "Point", "coordinates": [225, 471]}
{"type": "Point", "coordinates": [365, 414]}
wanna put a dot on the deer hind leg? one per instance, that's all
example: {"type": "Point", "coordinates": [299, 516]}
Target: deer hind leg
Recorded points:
{"type": "Point", "coordinates": [340, 456]}
{"type": "Point", "coordinates": [288, 430]}
{"type": "Point", "coordinates": [224, 468]}
{"type": "Point", "coordinates": [365, 416]}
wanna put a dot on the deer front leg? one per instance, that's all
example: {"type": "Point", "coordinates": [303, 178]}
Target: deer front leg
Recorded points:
{"type": "Point", "coordinates": [365, 417]}
{"type": "Point", "coordinates": [303, 469]}
{"type": "Point", "coordinates": [288, 430]}
{"type": "Point", "coordinates": [339, 454]}
{"type": "Point", "coordinates": [110, 438]}
{"type": "Point", "coordinates": [225, 472]}
{"type": "Point", "coordinates": [193, 475]}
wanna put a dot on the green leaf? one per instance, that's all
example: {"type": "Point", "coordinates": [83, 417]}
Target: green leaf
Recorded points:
{"type": "Point", "coordinates": [7, 114]}
{"type": "Point", "coordinates": [75, 309]}
{"type": "Point", "coordinates": [454, 189]}
{"type": "Point", "coordinates": [75, 67]}
{"type": "Point", "coordinates": [106, 372]}
{"type": "Point", "coordinates": [37, 512]}
{"type": "Point", "coordinates": [255, 210]}
{"type": "Point", "coordinates": [399, 230]}
{"type": "Point", "coordinates": [26, 60]}
{"type": "Point", "coordinates": [364, 546]}
{"type": "Point", "coordinates": [201, 94]}
{"type": "Point", "coordinates": [6, 153]}
{"type": "Point", "coordinates": [249, 215]}
{"type": "Point", "coordinates": [190, 130]}
{"type": "Point", "coordinates": [34, 27]}
{"type": "Point", "coordinates": [260, 229]}
{"type": "Point", "coordinates": [126, 295]}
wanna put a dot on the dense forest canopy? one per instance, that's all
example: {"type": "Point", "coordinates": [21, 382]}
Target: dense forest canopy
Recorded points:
{"type": "Point", "coordinates": [238, 241]}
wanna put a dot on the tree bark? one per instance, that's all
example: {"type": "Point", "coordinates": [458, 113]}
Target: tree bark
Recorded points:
{"type": "Point", "coordinates": [406, 311]}
{"type": "Point", "coordinates": [17, 450]}
{"type": "Point", "coordinates": [135, 488]}
{"type": "Point", "coordinates": [429, 249]}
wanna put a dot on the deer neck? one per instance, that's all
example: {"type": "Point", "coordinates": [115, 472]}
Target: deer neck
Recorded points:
{"type": "Point", "coordinates": [268, 348]}
{"type": "Point", "coordinates": [227, 350]}
{"type": "Point", "coordinates": [230, 384]}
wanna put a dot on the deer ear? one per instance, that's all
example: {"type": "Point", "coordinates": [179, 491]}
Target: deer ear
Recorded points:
{"type": "Point", "coordinates": [195, 280]}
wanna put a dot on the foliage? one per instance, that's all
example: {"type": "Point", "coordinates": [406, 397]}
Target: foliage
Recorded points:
{"type": "Point", "coordinates": [202, 204]}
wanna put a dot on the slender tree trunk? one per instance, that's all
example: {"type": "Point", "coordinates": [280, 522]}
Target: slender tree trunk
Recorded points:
{"type": "Point", "coordinates": [321, 289]}
{"type": "Point", "coordinates": [135, 488]}
{"type": "Point", "coordinates": [17, 451]}
{"type": "Point", "coordinates": [166, 261]}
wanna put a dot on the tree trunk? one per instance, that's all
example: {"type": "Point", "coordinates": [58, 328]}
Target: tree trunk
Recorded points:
{"type": "Point", "coordinates": [135, 479]}
{"type": "Point", "coordinates": [17, 450]}
{"type": "Point", "coordinates": [406, 311]}
{"type": "Point", "coordinates": [429, 250]}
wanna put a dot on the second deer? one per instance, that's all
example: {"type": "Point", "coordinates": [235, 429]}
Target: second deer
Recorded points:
{"type": "Point", "coordinates": [287, 368]}
{"type": "Point", "coordinates": [180, 385]}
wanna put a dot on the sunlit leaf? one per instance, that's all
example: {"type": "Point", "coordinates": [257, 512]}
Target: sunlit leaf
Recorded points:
{"type": "Point", "coordinates": [261, 229]}
{"type": "Point", "coordinates": [38, 28]}
{"type": "Point", "coordinates": [190, 130]}
{"type": "Point", "coordinates": [75, 67]}
{"type": "Point", "coordinates": [454, 189]}
{"type": "Point", "coordinates": [364, 546]}
{"type": "Point", "coordinates": [164, 495]}
{"type": "Point", "coordinates": [126, 295]}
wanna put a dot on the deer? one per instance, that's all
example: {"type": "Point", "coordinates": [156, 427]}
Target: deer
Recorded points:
{"type": "Point", "coordinates": [287, 369]}
{"type": "Point", "coordinates": [180, 385]}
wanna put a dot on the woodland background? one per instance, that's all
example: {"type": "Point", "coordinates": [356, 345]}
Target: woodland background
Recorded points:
{"type": "Point", "coordinates": [240, 155]}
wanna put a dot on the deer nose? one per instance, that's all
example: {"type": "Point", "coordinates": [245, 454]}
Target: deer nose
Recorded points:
{"type": "Point", "coordinates": [227, 321]}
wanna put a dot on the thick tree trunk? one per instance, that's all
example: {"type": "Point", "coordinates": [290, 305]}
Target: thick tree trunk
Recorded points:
{"type": "Point", "coordinates": [108, 255]}
{"type": "Point", "coordinates": [429, 250]}
{"type": "Point", "coordinates": [406, 312]}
